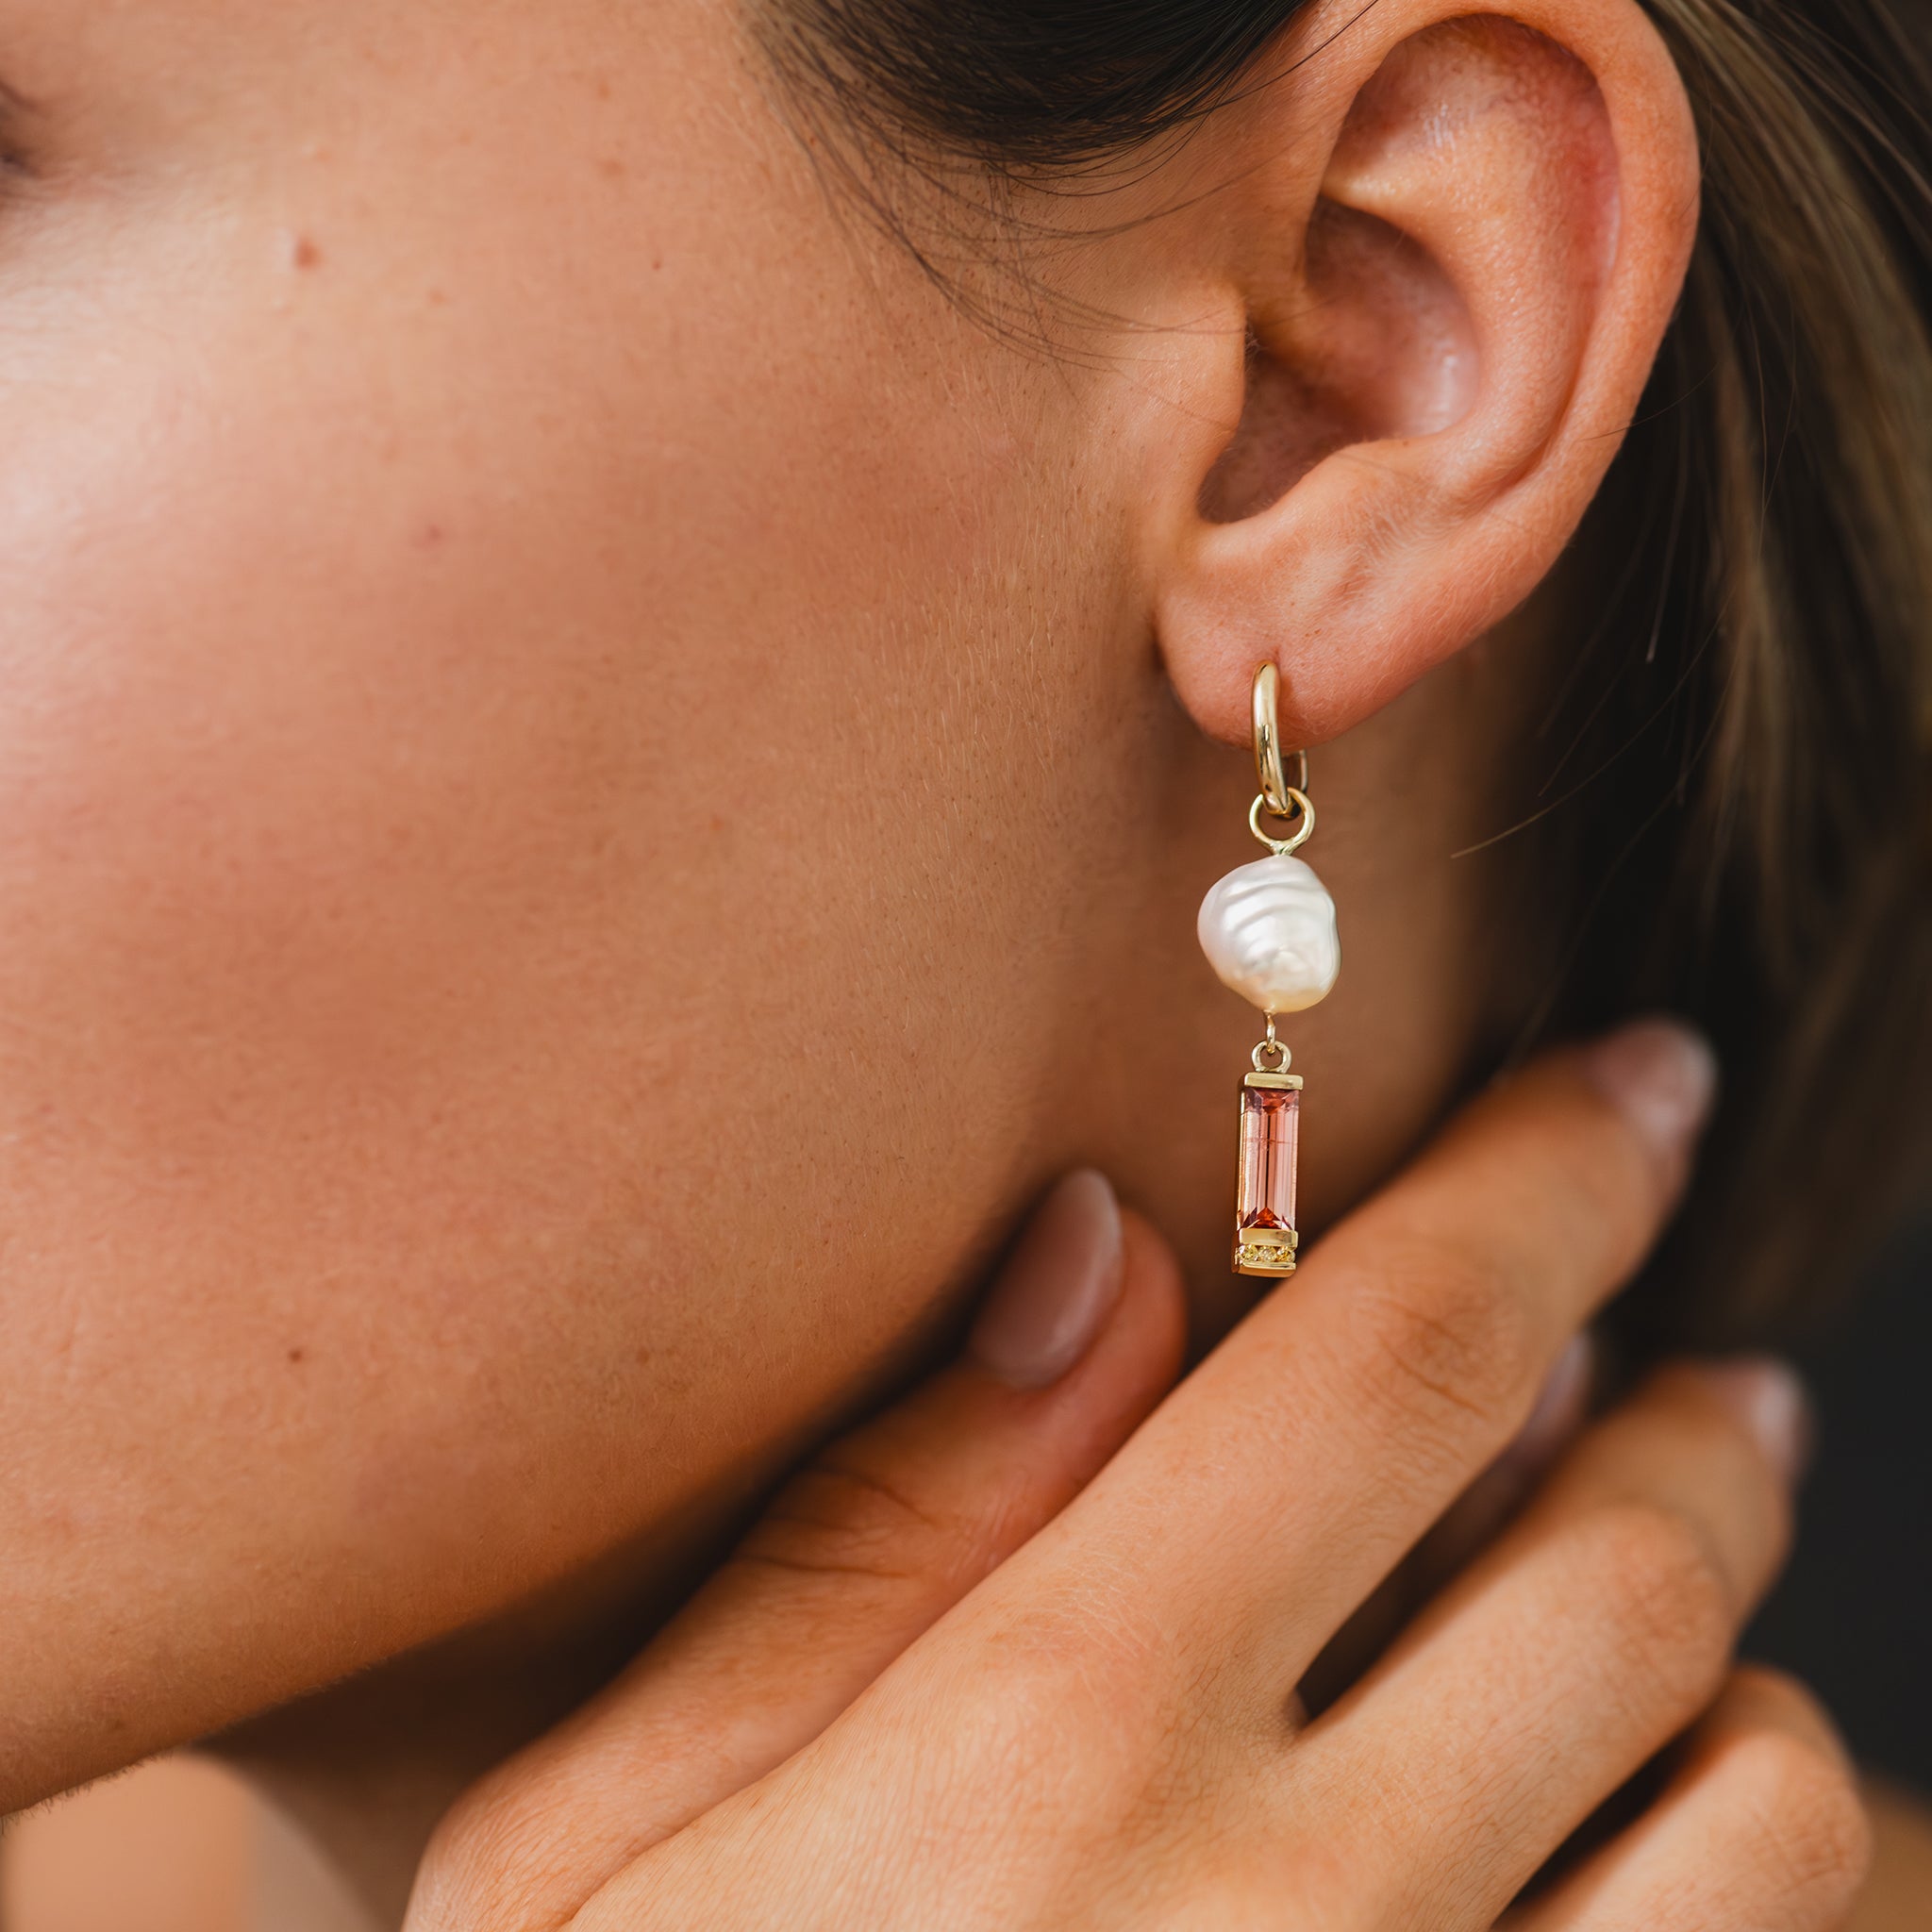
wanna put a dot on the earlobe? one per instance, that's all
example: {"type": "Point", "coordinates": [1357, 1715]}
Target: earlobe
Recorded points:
{"type": "Point", "coordinates": [1441, 359]}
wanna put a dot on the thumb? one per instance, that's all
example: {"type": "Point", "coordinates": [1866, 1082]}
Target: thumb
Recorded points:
{"type": "Point", "coordinates": [860, 1553]}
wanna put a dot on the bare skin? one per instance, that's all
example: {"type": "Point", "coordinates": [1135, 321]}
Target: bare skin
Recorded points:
{"type": "Point", "coordinates": [849, 1726]}
{"type": "Point", "coordinates": [1894, 1898]}
{"type": "Point", "coordinates": [593, 803]}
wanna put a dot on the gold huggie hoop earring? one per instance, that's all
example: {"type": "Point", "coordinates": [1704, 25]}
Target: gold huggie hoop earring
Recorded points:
{"type": "Point", "coordinates": [1277, 793]}
{"type": "Point", "coordinates": [1269, 932]}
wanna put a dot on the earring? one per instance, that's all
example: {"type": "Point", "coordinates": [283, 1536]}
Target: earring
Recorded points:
{"type": "Point", "coordinates": [1269, 932]}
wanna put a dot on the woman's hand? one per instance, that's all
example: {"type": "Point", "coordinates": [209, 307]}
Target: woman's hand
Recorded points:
{"type": "Point", "coordinates": [990, 1663]}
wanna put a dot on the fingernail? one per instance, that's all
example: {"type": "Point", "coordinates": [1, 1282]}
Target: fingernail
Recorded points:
{"type": "Point", "coordinates": [1558, 1408]}
{"type": "Point", "coordinates": [1055, 1292]}
{"type": "Point", "coordinates": [1661, 1076]}
{"type": "Point", "coordinates": [1767, 1396]}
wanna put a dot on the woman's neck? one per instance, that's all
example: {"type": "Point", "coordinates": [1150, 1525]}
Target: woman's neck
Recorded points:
{"type": "Point", "coordinates": [368, 1768]}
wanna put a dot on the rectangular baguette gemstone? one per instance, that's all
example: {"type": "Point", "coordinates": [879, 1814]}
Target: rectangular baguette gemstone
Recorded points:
{"type": "Point", "coordinates": [1271, 1134]}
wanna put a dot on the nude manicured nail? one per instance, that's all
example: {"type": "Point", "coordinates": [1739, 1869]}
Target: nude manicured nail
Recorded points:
{"type": "Point", "coordinates": [1558, 1410]}
{"type": "Point", "coordinates": [1769, 1399]}
{"type": "Point", "coordinates": [1661, 1076]}
{"type": "Point", "coordinates": [1055, 1294]}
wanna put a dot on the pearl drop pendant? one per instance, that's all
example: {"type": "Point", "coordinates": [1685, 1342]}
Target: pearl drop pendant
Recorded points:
{"type": "Point", "coordinates": [1269, 932]}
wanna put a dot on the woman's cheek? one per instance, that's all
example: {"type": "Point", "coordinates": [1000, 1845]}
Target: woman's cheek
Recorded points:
{"type": "Point", "coordinates": [498, 1033]}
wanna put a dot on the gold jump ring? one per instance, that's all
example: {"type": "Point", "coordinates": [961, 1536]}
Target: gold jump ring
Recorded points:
{"type": "Point", "coordinates": [1297, 806]}
{"type": "Point", "coordinates": [1272, 1056]}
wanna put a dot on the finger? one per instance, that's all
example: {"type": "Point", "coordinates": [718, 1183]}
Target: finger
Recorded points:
{"type": "Point", "coordinates": [1893, 1898]}
{"type": "Point", "coordinates": [1473, 1522]}
{"type": "Point", "coordinates": [1495, 1497]}
{"type": "Point", "coordinates": [1762, 1825]}
{"type": "Point", "coordinates": [1314, 1448]}
{"type": "Point", "coordinates": [1589, 1638]}
{"type": "Point", "coordinates": [858, 1555]}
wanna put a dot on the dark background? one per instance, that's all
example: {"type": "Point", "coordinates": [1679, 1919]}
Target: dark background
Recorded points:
{"type": "Point", "coordinates": [1853, 1616]}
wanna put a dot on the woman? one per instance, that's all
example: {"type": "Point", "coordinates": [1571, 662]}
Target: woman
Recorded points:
{"type": "Point", "coordinates": [630, 639]}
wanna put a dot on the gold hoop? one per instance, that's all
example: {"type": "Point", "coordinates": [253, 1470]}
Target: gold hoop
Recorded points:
{"type": "Point", "coordinates": [1298, 806]}
{"type": "Point", "coordinates": [1275, 789]}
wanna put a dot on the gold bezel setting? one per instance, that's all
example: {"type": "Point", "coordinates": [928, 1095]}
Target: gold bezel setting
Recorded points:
{"type": "Point", "coordinates": [1269, 1251]}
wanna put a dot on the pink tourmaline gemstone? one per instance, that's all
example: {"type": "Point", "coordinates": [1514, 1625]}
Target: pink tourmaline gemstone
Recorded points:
{"type": "Point", "coordinates": [1271, 1131]}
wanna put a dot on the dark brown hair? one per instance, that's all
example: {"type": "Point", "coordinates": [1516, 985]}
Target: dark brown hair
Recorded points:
{"type": "Point", "coordinates": [1739, 822]}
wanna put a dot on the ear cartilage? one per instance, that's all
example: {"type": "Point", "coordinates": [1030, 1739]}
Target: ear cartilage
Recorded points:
{"type": "Point", "coordinates": [1269, 931]}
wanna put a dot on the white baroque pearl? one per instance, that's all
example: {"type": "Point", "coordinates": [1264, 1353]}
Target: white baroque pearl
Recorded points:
{"type": "Point", "coordinates": [1269, 931]}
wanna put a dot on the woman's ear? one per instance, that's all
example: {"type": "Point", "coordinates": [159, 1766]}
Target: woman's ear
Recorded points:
{"type": "Point", "coordinates": [1454, 242]}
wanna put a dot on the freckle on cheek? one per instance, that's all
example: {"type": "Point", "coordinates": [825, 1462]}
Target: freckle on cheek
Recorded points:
{"type": "Point", "coordinates": [303, 252]}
